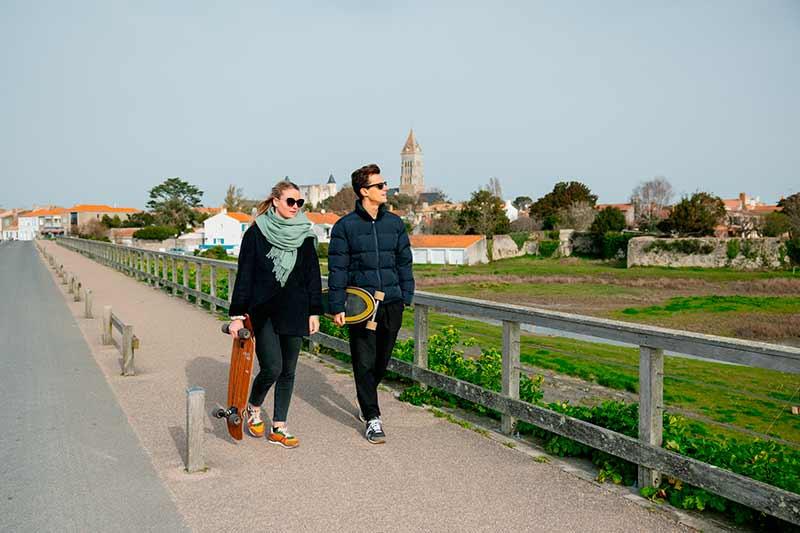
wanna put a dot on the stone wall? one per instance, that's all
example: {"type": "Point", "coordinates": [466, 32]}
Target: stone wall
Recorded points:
{"type": "Point", "coordinates": [708, 252]}
{"type": "Point", "coordinates": [504, 247]}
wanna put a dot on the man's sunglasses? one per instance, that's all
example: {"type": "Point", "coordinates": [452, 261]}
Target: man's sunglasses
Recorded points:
{"type": "Point", "coordinates": [291, 201]}
{"type": "Point", "coordinates": [381, 185]}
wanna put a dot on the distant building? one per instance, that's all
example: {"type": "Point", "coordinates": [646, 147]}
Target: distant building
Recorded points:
{"type": "Point", "coordinates": [511, 212]}
{"type": "Point", "coordinates": [226, 230]}
{"type": "Point", "coordinates": [122, 236]}
{"type": "Point", "coordinates": [743, 215]}
{"type": "Point", "coordinates": [449, 249]}
{"type": "Point", "coordinates": [41, 222]}
{"type": "Point", "coordinates": [315, 194]}
{"type": "Point", "coordinates": [9, 221]}
{"type": "Point", "coordinates": [412, 176]}
{"type": "Point", "coordinates": [82, 213]}
{"type": "Point", "coordinates": [322, 224]}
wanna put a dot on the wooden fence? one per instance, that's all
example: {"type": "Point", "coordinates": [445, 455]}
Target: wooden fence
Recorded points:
{"type": "Point", "coordinates": [646, 451]}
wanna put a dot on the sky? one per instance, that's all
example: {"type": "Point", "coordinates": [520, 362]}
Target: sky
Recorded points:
{"type": "Point", "coordinates": [101, 101]}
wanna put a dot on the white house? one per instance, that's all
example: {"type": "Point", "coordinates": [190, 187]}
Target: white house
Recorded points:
{"type": "Point", "coordinates": [511, 212]}
{"type": "Point", "coordinates": [28, 226]}
{"type": "Point", "coordinates": [449, 249]}
{"type": "Point", "coordinates": [10, 233]}
{"type": "Point", "coordinates": [322, 224]}
{"type": "Point", "coordinates": [226, 230]}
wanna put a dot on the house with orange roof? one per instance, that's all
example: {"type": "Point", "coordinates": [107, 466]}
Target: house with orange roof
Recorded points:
{"type": "Point", "coordinates": [8, 220]}
{"type": "Point", "coordinates": [627, 210]}
{"type": "Point", "coordinates": [321, 225]}
{"type": "Point", "coordinates": [449, 249]}
{"type": "Point", "coordinates": [225, 229]}
{"type": "Point", "coordinates": [743, 215]}
{"type": "Point", "coordinates": [80, 214]}
{"type": "Point", "coordinates": [41, 222]}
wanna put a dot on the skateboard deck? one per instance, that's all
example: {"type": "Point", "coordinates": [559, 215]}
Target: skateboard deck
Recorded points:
{"type": "Point", "coordinates": [359, 306]}
{"type": "Point", "coordinates": [242, 355]}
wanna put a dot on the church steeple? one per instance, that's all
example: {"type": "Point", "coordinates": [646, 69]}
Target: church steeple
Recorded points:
{"type": "Point", "coordinates": [412, 180]}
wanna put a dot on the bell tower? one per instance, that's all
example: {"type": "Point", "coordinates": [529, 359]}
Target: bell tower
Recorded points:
{"type": "Point", "coordinates": [412, 179]}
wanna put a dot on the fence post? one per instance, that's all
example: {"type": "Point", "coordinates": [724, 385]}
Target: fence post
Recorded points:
{"type": "Point", "coordinates": [421, 335]}
{"type": "Point", "coordinates": [651, 406]}
{"type": "Point", "coordinates": [106, 324]}
{"type": "Point", "coordinates": [213, 287]}
{"type": "Point", "coordinates": [127, 351]}
{"type": "Point", "coordinates": [195, 427]}
{"type": "Point", "coordinates": [87, 303]}
{"type": "Point", "coordinates": [186, 280]}
{"type": "Point", "coordinates": [164, 272]}
{"type": "Point", "coordinates": [510, 370]}
{"type": "Point", "coordinates": [231, 281]}
{"type": "Point", "coordinates": [198, 282]}
{"type": "Point", "coordinates": [77, 291]}
{"type": "Point", "coordinates": [71, 284]}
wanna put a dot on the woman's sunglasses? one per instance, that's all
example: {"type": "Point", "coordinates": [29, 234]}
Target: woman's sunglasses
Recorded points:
{"type": "Point", "coordinates": [291, 201]}
{"type": "Point", "coordinates": [380, 185]}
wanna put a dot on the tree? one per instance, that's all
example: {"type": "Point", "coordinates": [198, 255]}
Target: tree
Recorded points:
{"type": "Point", "coordinates": [172, 203]}
{"type": "Point", "coordinates": [526, 224]}
{"type": "Point", "coordinates": [578, 216]}
{"type": "Point", "coordinates": [401, 201]}
{"type": "Point", "coordinates": [608, 219]}
{"type": "Point", "coordinates": [343, 202]}
{"type": "Point", "coordinates": [522, 202]}
{"type": "Point", "coordinates": [446, 224]}
{"type": "Point", "coordinates": [776, 224]}
{"type": "Point", "coordinates": [234, 199]}
{"type": "Point", "coordinates": [484, 214]}
{"type": "Point", "coordinates": [93, 229]}
{"type": "Point", "coordinates": [495, 188]}
{"type": "Point", "coordinates": [791, 208]}
{"type": "Point", "coordinates": [696, 216]}
{"type": "Point", "coordinates": [139, 220]}
{"type": "Point", "coordinates": [563, 195]}
{"type": "Point", "coordinates": [649, 200]}
{"type": "Point", "coordinates": [155, 233]}
{"type": "Point", "coordinates": [109, 222]}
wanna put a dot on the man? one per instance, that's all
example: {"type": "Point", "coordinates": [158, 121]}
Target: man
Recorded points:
{"type": "Point", "coordinates": [370, 249]}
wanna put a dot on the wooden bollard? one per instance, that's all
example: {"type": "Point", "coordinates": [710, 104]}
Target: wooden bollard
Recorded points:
{"type": "Point", "coordinates": [195, 428]}
{"type": "Point", "coordinates": [87, 303]}
{"type": "Point", "coordinates": [63, 275]}
{"type": "Point", "coordinates": [77, 291]}
{"type": "Point", "coordinates": [106, 325]}
{"type": "Point", "coordinates": [71, 284]}
{"type": "Point", "coordinates": [127, 351]}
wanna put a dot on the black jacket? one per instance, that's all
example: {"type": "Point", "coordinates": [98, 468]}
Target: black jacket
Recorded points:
{"type": "Point", "coordinates": [371, 254]}
{"type": "Point", "coordinates": [258, 292]}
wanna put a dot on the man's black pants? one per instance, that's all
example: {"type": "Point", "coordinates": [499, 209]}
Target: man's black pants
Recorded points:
{"type": "Point", "coordinates": [370, 352]}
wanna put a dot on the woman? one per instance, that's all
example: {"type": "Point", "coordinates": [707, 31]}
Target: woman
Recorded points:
{"type": "Point", "coordinates": [279, 285]}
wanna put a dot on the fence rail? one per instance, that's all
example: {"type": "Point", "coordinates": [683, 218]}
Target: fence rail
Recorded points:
{"type": "Point", "coordinates": [646, 451]}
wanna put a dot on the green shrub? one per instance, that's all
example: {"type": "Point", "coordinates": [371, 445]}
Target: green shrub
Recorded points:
{"type": "Point", "coordinates": [155, 233]}
{"type": "Point", "coordinates": [793, 250]}
{"type": "Point", "coordinates": [776, 224]}
{"type": "Point", "coordinates": [733, 249]}
{"type": "Point", "coordinates": [322, 250]}
{"type": "Point", "coordinates": [547, 248]}
{"type": "Point", "coordinates": [609, 219]}
{"type": "Point", "coordinates": [683, 246]}
{"type": "Point", "coordinates": [215, 252]}
{"type": "Point", "coordinates": [612, 243]}
{"type": "Point", "coordinates": [749, 249]}
{"type": "Point", "coordinates": [554, 235]}
{"type": "Point", "coordinates": [519, 238]}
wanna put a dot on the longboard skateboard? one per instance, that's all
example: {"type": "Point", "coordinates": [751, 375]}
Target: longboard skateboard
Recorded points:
{"type": "Point", "coordinates": [238, 378]}
{"type": "Point", "coordinates": [359, 306]}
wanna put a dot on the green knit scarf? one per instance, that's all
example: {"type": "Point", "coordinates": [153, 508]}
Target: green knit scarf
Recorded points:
{"type": "Point", "coordinates": [285, 235]}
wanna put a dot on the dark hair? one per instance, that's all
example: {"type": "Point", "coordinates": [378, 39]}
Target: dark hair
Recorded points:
{"type": "Point", "coordinates": [360, 177]}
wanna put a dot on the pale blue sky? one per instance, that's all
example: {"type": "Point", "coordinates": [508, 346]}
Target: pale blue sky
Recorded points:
{"type": "Point", "coordinates": [100, 101]}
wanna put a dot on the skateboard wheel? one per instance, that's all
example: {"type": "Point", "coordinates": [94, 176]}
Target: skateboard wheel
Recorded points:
{"type": "Point", "coordinates": [372, 325]}
{"type": "Point", "coordinates": [218, 413]}
{"type": "Point", "coordinates": [235, 419]}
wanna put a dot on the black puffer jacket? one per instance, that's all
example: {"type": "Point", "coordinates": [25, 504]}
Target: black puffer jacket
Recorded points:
{"type": "Point", "coordinates": [371, 254]}
{"type": "Point", "coordinates": [258, 292]}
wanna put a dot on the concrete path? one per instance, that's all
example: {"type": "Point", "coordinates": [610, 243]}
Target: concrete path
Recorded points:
{"type": "Point", "coordinates": [69, 460]}
{"type": "Point", "coordinates": [430, 476]}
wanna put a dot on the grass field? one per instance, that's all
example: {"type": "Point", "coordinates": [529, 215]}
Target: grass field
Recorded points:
{"type": "Point", "coordinates": [750, 398]}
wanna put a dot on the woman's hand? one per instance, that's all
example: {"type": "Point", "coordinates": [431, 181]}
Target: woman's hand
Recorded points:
{"type": "Point", "coordinates": [234, 328]}
{"type": "Point", "coordinates": [313, 324]}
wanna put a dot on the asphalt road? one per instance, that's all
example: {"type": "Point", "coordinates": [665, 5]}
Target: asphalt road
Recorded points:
{"type": "Point", "coordinates": [69, 460]}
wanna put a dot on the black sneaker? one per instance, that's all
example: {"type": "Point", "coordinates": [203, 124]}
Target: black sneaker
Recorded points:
{"type": "Point", "coordinates": [374, 431]}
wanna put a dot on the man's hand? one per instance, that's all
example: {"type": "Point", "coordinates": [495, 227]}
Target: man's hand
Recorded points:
{"type": "Point", "coordinates": [234, 328]}
{"type": "Point", "coordinates": [338, 319]}
{"type": "Point", "coordinates": [313, 324]}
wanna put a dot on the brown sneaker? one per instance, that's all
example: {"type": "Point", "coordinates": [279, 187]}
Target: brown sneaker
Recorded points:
{"type": "Point", "coordinates": [283, 437]}
{"type": "Point", "coordinates": [255, 426]}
